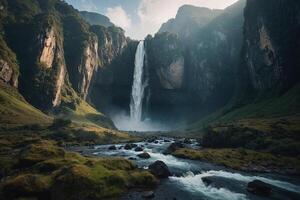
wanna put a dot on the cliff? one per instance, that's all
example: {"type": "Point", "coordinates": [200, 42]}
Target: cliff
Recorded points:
{"type": "Point", "coordinates": [57, 53]}
{"type": "Point", "coordinates": [271, 46]}
{"type": "Point", "coordinates": [196, 70]}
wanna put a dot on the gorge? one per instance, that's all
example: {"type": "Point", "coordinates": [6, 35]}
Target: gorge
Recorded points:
{"type": "Point", "coordinates": [206, 108]}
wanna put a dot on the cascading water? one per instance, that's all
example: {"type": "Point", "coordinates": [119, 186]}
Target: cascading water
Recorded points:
{"type": "Point", "coordinates": [138, 87]}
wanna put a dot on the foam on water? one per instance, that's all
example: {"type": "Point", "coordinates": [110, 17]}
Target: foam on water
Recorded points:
{"type": "Point", "coordinates": [244, 178]}
{"type": "Point", "coordinates": [193, 183]}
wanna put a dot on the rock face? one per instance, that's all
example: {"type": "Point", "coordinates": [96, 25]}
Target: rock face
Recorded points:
{"type": "Point", "coordinates": [6, 72]}
{"type": "Point", "coordinates": [159, 169]}
{"type": "Point", "coordinates": [195, 69]}
{"type": "Point", "coordinates": [48, 44]}
{"type": "Point", "coordinates": [171, 77]}
{"type": "Point", "coordinates": [57, 53]}
{"type": "Point", "coordinates": [271, 50]}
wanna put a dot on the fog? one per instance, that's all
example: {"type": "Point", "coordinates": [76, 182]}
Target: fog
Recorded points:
{"type": "Point", "coordinates": [123, 122]}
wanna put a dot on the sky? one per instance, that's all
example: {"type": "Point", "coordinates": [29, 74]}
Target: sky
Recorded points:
{"type": "Point", "coordinates": [142, 17]}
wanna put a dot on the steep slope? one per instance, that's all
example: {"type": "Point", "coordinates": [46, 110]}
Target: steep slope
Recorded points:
{"type": "Point", "coordinates": [59, 54]}
{"type": "Point", "coordinates": [96, 19]}
{"type": "Point", "coordinates": [267, 78]}
{"type": "Point", "coordinates": [197, 71]}
{"type": "Point", "coordinates": [15, 111]}
{"type": "Point", "coordinates": [271, 46]}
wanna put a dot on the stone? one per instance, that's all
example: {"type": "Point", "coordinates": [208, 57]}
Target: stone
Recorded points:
{"type": "Point", "coordinates": [148, 195]}
{"type": "Point", "coordinates": [144, 155]}
{"type": "Point", "coordinates": [138, 149]}
{"type": "Point", "coordinates": [187, 141]}
{"type": "Point", "coordinates": [259, 188]}
{"type": "Point", "coordinates": [129, 146]}
{"type": "Point", "coordinates": [113, 147]}
{"type": "Point", "coordinates": [173, 147]}
{"type": "Point", "coordinates": [159, 169]}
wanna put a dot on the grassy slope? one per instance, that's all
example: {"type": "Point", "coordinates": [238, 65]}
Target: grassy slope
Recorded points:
{"type": "Point", "coordinates": [16, 111]}
{"type": "Point", "coordinates": [260, 114]}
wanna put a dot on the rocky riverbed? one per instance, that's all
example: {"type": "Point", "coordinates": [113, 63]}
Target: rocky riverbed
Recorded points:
{"type": "Point", "coordinates": [196, 180]}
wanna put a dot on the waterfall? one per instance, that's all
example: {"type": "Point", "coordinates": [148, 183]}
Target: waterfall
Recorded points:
{"type": "Point", "coordinates": [139, 85]}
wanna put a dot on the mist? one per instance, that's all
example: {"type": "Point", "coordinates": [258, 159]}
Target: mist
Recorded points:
{"type": "Point", "coordinates": [123, 122]}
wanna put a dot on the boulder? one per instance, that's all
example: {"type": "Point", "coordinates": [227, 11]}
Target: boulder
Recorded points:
{"type": "Point", "coordinates": [160, 169]}
{"type": "Point", "coordinates": [113, 147]}
{"type": "Point", "coordinates": [129, 146]}
{"type": "Point", "coordinates": [173, 147]}
{"type": "Point", "coordinates": [138, 149]}
{"type": "Point", "coordinates": [144, 155]}
{"type": "Point", "coordinates": [148, 195]}
{"type": "Point", "coordinates": [259, 188]}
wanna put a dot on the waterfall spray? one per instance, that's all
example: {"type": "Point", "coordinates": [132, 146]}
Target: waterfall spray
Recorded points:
{"type": "Point", "coordinates": [138, 87]}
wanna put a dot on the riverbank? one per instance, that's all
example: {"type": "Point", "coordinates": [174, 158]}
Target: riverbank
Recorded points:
{"type": "Point", "coordinates": [243, 160]}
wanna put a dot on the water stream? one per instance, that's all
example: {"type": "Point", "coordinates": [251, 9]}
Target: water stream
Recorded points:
{"type": "Point", "coordinates": [186, 182]}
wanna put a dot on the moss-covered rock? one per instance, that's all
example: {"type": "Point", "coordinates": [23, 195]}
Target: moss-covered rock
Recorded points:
{"type": "Point", "coordinates": [39, 152]}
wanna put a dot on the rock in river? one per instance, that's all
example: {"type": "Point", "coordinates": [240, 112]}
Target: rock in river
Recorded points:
{"type": "Point", "coordinates": [113, 147]}
{"type": "Point", "coordinates": [259, 188]}
{"type": "Point", "coordinates": [144, 155]}
{"type": "Point", "coordinates": [138, 149]}
{"type": "Point", "coordinates": [160, 169]}
{"type": "Point", "coordinates": [129, 146]}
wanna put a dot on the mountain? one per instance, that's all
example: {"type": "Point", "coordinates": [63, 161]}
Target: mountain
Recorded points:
{"type": "Point", "coordinates": [196, 71]}
{"type": "Point", "coordinates": [56, 56]}
{"type": "Point", "coordinates": [189, 19]}
{"type": "Point", "coordinates": [96, 19]}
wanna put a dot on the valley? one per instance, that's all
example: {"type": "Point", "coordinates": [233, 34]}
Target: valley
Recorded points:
{"type": "Point", "coordinates": [207, 108]}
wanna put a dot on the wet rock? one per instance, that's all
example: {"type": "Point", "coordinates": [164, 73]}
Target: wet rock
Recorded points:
{"type": "Point", "coordinates": [259, 188]}
{"type": "Point", "coordinates": [155, 142]}
{"type": "Point", "coordinates": [113, 147]}
{"type": "Point", "coordinates": [207, 181]}
{"type": "Point", "coordinates": [129, 146]}
{"type": "Point", "coordinates": [132, 158]}
{"type": "Point", "coordinates": [165, 140]}
{"type": "Point", "coordinates": [152, 140]}
{"type": "Point", "coordinates": [138, 149]}
{"type": "Point", "coordinates": [148, 195]}
{"type": "Point", "coordinates": [173, 147]}
{"type": "Point", "coordinates": [144, 155]}
{"type": "Point", "coordinates": [159, 169]}
{"type": "Point", "coordinates": [187, 141]}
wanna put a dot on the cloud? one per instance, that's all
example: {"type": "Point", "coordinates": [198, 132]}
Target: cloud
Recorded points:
{"type": "Point", "coordinates": [119, 17]}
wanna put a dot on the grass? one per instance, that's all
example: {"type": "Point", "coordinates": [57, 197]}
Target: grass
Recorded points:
{"type": "Point", "coordinates": [284, 106]}
{"type": "Point", "coordinates": [14, 110]}
{"type": "Point", "coordinates": [241, 159]}
{"type": "Point", "coordinates": [78, 110]}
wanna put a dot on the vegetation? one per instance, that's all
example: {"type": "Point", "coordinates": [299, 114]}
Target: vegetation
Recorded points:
{"type": "Point", "coordinates": [44, 170]}
{"type": "Point", "coordinates": [242, 159]}
{"type": "Point", "coordinates": [14, 110]}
